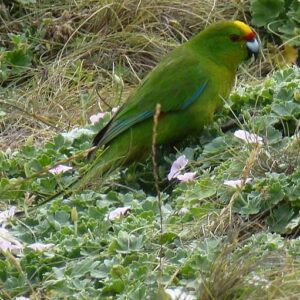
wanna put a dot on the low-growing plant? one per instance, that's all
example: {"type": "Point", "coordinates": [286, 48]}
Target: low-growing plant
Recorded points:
{"type": "Point", "coordinates": [279, 17]}
{"type": "Point", "coordinates": [228, 222]}
{"type": "Point", "coordinates": [17, 59]}
{"type": "Point", "coordinates": [220, 230]}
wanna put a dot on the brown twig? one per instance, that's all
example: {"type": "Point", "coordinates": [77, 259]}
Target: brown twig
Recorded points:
{"type": "Point", "coordinates": [156, 177]}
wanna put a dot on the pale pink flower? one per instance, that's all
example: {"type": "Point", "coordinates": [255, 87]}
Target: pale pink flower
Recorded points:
{"type": "Point", "coordinates": [177, 166]}
{"type": "Point", "coordinates": [60, 169]}
{"type": "Point", "coordinates": [6, 245]}
{"type": "Point", "coordinates": [179, 294]}
{"type": "Point", "coordinates": [7, 214]}
{"type": "Point", "coordinates": [9, 242]}
{"type": "Point", "coordinates": [118, 213]}
{"type": "Point", "coordinates": [249, 138]}
{"type": "Point", "coordinates": [40, 246]}
{"type": "Point", "coordinates": [186, 177]}
{"type": "Point", "coordinates": [96, 118]}
{"type": "Point", "coordinates": [237, 183]}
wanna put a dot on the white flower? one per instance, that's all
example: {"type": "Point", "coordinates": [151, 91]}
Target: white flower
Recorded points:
{"type": "Point", "coordinates": [6, 245]}
{"type": "Point", "coordinates": [9, 243]}
{"type": "Point", "coordinates": [237, 183]}
{"type": "Point", "coordinates": [40, 246]}
{"type": "Point", "coordinates": [77, 133]}
{"type": "Point", "coordinates": [7, 214]}
{"type": "Point", "coordinates": [186, 177]}
{"type": "Point", "coordinates": [249, 138]}
{"type": "Point", "coordinates": [96, 118]}
{"type": "Point", "coordinates": [60, 169]}
{"type": "Point", "coordinates": [183, 211]}
{"type": "Point", "coordinates": [22, 298]}
{"type": "Point", "coordinates": [179, 294]}
{"type": "Point", "coordinates": [258, 280]}
{"type": "Point", "coordinates": [177, 166]}
{"type": "Point", "coordinates": [118, 213]}
{"type": "Point", "coordinates": [115, 109]}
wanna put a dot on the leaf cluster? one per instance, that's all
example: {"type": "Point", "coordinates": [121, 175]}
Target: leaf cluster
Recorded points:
{"type": "Point", "coordinates": [214, 238]}
{"type": "Point", "coordinates": [281, 17]}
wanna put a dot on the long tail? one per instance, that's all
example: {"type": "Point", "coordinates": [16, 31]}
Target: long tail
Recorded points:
{"type": "Point", "coordinates": [103, 163]}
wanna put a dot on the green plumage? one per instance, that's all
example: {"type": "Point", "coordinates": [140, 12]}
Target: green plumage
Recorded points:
{"type": "Point", "coordinates": [190, 84]}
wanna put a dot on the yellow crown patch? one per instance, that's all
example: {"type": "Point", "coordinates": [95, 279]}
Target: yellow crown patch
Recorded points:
{"type": "Point", "coordinates": [244, 27]}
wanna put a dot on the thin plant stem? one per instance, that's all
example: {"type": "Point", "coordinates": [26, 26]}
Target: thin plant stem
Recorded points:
{"type": "Point", "coordinates": [156, 177]}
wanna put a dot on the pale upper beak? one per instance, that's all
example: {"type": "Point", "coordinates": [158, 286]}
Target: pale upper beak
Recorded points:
{"type": "Point", "coordinates": [253, 47]}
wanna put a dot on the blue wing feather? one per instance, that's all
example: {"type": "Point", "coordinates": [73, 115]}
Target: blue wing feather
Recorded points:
{"type": "Point", "coordinates": [195, 96]}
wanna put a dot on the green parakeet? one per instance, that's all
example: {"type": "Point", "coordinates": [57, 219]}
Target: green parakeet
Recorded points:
{"type": "Point", "coordinates": [190, 84]}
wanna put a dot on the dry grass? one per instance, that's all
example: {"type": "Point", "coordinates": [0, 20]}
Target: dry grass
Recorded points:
{"type": "Point", "coordinates": [81, 45]}
{"type": "Point", "coordinates": [239, 273]}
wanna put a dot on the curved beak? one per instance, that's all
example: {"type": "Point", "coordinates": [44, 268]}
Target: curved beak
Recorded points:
{"type": "Point", "coordinates": [253, 47]}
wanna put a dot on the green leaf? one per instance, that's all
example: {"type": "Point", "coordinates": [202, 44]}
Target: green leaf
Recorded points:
{"type": "Point", "coordinates": [275, 194]}
{"type": "Point", "coordinates": [128, 242]}
{"type": "Point", "coordinates": [115, 286]}
{"type": "Point", "coordinates": [44, 160]}
{"type": "Point", "coordinates": [293, 191]}
{"type": "Point", "coordinates": [117, 271]}
{"type": "Point", "coordinates": [18, 39]}
{"type": "Point", "coordinates": [294, 223]}
{"type": "Point", "coordinates": [290, 32]}
{"type": "Point", "coordinates": [83, 267]}
{"type": "Point", "coordinates": [273, 135]}
{"type": "Point", "coordinates": [286, 110]}
{"type": "Point", "coordinates": [28, 151]}
{"type": "Point", "coordinates": [202, 189]}
{"type": "Point", "coordinates": [167, 237]}
{"type": "Point", "coordinates": [47, 185]}
{"type": "Point", "coordinates": [99, 273]}
{"type": "Point", "coordinates": [216, 146]}
{"type": "Point", "coordinates": [280, 218]}
{"type": "Point", "coordinates": [62, 217]}
{"type": "Point", "coordinates": [18, 58]}
{"type": "Point", "coordinates": [97, 212]}
{"type": "Point", "coordinates": [3, 270]}
{"type": "Point", "coordinates": [204, 209]}
{"type": "Point", "coordinates": [248, 204]}
{"type": "Point", "coordinates": [266, 241]}
{"type": "Point", "coordinates": [265, 11]}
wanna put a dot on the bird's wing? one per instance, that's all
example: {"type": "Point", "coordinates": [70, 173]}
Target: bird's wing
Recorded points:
{"type": "Point", "coordinates": [175, 84]}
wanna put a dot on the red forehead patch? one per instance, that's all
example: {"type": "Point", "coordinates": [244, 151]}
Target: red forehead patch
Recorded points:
{"type": "Point", "coordinates": [250, 36]}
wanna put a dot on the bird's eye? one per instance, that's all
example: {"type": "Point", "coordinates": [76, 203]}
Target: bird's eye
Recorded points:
{"type": "Point", "coordinates": [234, 37]}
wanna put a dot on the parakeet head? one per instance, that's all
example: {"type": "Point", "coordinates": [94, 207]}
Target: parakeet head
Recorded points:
{"type": "Point", "coordinates": [228, 42]}
{"type": "Point", "coordinates": [247, 35]}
